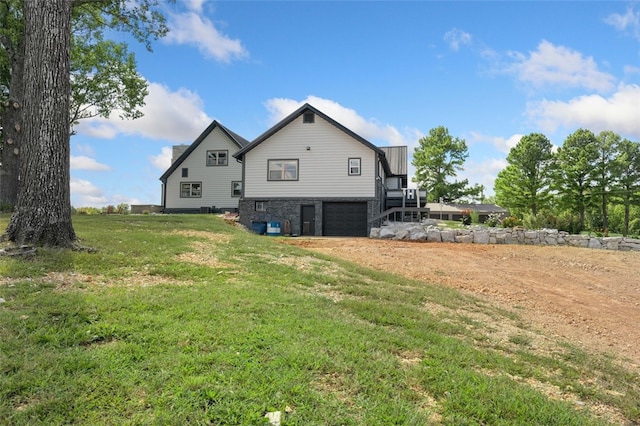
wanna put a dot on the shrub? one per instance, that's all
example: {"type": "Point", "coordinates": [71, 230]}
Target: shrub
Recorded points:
{"type": "Point", "coordinates": [466, 217]}
{"type": "Point", "coordinates": [493, 220]}
{"type": "Point", "coordinates": [510, 222]}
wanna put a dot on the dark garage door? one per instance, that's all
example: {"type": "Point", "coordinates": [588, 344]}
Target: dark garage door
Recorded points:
{"type": "Point", "coordinates": [344, 219]}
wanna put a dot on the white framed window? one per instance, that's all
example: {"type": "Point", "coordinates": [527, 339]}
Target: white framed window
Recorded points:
{"type": "Point", "coordinates": [261, 206]}
{"type": "Point", "coordinates": [354, 167]}
{"type": "Point", "coordinates": [217, 158]}
{"type": "Point", "coordinates": [283, 170]}
{"type": "Point", "coordinates": [190, 189]}
{"type": "Point", "coordinates": [236, 188]}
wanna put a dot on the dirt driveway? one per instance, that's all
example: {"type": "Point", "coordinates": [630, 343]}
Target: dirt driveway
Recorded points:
{"type": "Point", "coordinates": [589, 297]}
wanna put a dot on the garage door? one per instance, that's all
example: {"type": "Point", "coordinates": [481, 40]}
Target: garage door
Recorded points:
{"type": "Point", "coordinates": [344, 219]}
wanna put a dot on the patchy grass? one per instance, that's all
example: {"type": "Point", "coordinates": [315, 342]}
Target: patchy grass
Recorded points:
{"type": "Point", "coordinates": [187, 320]}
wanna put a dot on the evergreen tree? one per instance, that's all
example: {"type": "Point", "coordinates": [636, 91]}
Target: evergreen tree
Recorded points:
{"type": "Point", "coordinates": [437, 160]}
{"type": "Point", "coordinates": [572, 172]}
{"type": "Point", "coordinates": [524, 185]}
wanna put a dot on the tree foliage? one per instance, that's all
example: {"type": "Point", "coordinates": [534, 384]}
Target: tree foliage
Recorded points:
{"type": "Point", "coordinates": [438, 158]}
{"type": "Point", "coordinates": [628, 178]}
{"type": "Point", "coordinates": [572, 173]}
{"type": "Point", "coordinates": [104, 78]}
{"type": "Point", "coordinates": [103, 73]}
{"type": "Point", "coordinates": [524, 185]}
{"type": "Point", "coordinates": [605, 172]}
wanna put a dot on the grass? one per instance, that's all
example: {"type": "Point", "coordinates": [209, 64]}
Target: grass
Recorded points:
{"type": "Point", "coordinates": [187, 320]}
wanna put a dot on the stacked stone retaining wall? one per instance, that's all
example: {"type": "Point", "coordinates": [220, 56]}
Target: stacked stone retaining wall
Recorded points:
{"type": "Point", "coordinates": [427, 231]}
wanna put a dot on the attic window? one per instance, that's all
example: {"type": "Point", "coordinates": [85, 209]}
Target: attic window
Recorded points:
{"type": "Point", "coordinates": [308, 117]}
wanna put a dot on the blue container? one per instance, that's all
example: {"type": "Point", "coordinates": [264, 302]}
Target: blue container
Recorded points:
{"type": "Point", "coordinates": [273, 228]}
{"type": "Point", "coordinates": [259, 227]}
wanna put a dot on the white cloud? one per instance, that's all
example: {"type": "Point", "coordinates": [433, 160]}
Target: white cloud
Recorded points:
{"type": "Point", "coordinates": [561, 67]}
{"type": "Point", "coordinates": [192, 28]}
{"type": "Point", "coordinates": [455, 38]}
{"type": "Point", "coordinates": [628, 23]}
{"type": "Point", "coordinates": [86, 194]}
{"type": "Point", "coordinates": [195, 5]}
{"type": "Point", "coordinates": [628, 69]}
{"type": "Point", "coordinates": [499, 142]}
{"type": "Point", "coordinates": [171, 116]}
{"type": "Point", "coordinates": [483, 172]}
{"type": "Point", "coordinates": [163, 160]}
{"type": "Point", "coordinates": [620, 112]}
{"type": "Point", "coordinates": [369, 129]}
{"type": "Point", "coordinates": [82, 162]}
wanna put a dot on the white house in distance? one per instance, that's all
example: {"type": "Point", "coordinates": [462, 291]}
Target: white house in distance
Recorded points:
{"type": "Point", "coordinates": [203, 176]}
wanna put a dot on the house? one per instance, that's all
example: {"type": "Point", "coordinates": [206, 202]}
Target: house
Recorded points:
{"type": "Point", "coordinates": [314, 176]}
{"type": "Point", "coordinates": [203, 176]}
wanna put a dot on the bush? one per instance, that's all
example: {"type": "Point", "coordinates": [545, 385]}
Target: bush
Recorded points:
{"type": "Point", "coordinates": [510, 222]}
{"type": "Point", "coordinates": [88, 211]}
{"type": "Point", "coordinates": [466, 217]}
{"type": "Point", "coordinates": [493, 220]}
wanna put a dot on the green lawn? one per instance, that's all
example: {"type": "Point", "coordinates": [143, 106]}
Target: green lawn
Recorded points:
{"type": "Point", "coordinates": [184, 319]}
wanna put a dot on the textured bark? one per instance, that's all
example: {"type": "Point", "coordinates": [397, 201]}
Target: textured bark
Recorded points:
{"type": "Point", "coordinates": [42, 215]}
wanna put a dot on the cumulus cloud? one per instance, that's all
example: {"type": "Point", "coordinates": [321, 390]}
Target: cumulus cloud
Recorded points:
{"type": "Point", "coordinates": [499, 142]}
{"type": "Point", "coordinates": [176, 116]}
{"type": "Point", "coordinates": [628, 23]}
{"type": "Point", "coordinates": [86, 194]}
{"type": "Point", "coordinates": [483, 172]}
{"type": "Point", "coordinates": [369, 129]}
{"type": "Point", "coordinates": [162, 161]}
{"type": "Point", "coordinates": [551, 65]}
{"type": "Point", "coordinates": [618, 113]}
{"type": "Point", "coordinates": [192, 28]}
{"type": "Point", "coordinates": [82, 162]}
{"type": "Point", "coordinates": [456, 38]}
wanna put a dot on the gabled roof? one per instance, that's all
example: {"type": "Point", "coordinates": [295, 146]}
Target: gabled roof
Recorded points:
{"type": "Point", "coordinates": [297, 113]}
{"type": "Point", "coordinates": [234, 137]}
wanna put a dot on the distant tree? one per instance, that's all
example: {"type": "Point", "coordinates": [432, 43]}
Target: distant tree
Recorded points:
{"type": "Point", "coordinates": [572, 178]}
{"type": "Point", "coordinates": [524, 185]}
{"type": "Point", "coordinates": [605, 172]}
{"type": "Point", "coordinates": [437, 159]}
{"type": "Point", "coordinates": [628, 178]}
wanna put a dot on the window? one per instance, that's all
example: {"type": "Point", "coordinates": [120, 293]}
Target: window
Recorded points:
{"type": "Point", "coordinates": [236, 188]}
{"type": "Point", "coordinates": [308, 117]}
{"type": "Point", "coordinates": [261, 206]}
{"type": "Point", "coordinates": [354, 166]}
{"type": "Point", "coordinates": [191, 190]}
{"type": "Point", "coordinates": [185, 172]}
{"type": "Point", "coordinates": [217, 158]}
{"type": "Point", "coordinates": [283, 170]}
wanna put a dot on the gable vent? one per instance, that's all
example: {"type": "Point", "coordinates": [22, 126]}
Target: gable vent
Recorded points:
{"type": "Point", "coordinates": [308, 117]}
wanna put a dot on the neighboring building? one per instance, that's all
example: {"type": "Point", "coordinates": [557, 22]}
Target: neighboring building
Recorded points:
{"type": "Point", "coordinates": [455, 211]}
{"type": "Point", "coordinates": [203, 176]}
{"type": "Point", "coordinates": [316, 177]}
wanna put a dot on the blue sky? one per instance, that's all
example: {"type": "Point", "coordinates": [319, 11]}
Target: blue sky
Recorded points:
{"type": "Point", "coordinates": [390, 71]}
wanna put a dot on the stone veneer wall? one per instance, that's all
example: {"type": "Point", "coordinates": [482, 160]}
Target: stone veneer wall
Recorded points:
{"type": "Point", "coordinates": [426, 231]}
{"type": "Point", "coordinates": [279, 210]}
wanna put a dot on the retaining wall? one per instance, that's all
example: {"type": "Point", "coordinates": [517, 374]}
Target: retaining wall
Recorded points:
{"type": "Point", "coordinates": [426, 231]}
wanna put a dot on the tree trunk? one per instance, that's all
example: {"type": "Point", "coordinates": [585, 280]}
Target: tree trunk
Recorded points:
{"type": "Point", "coordinates": [42, 215]}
